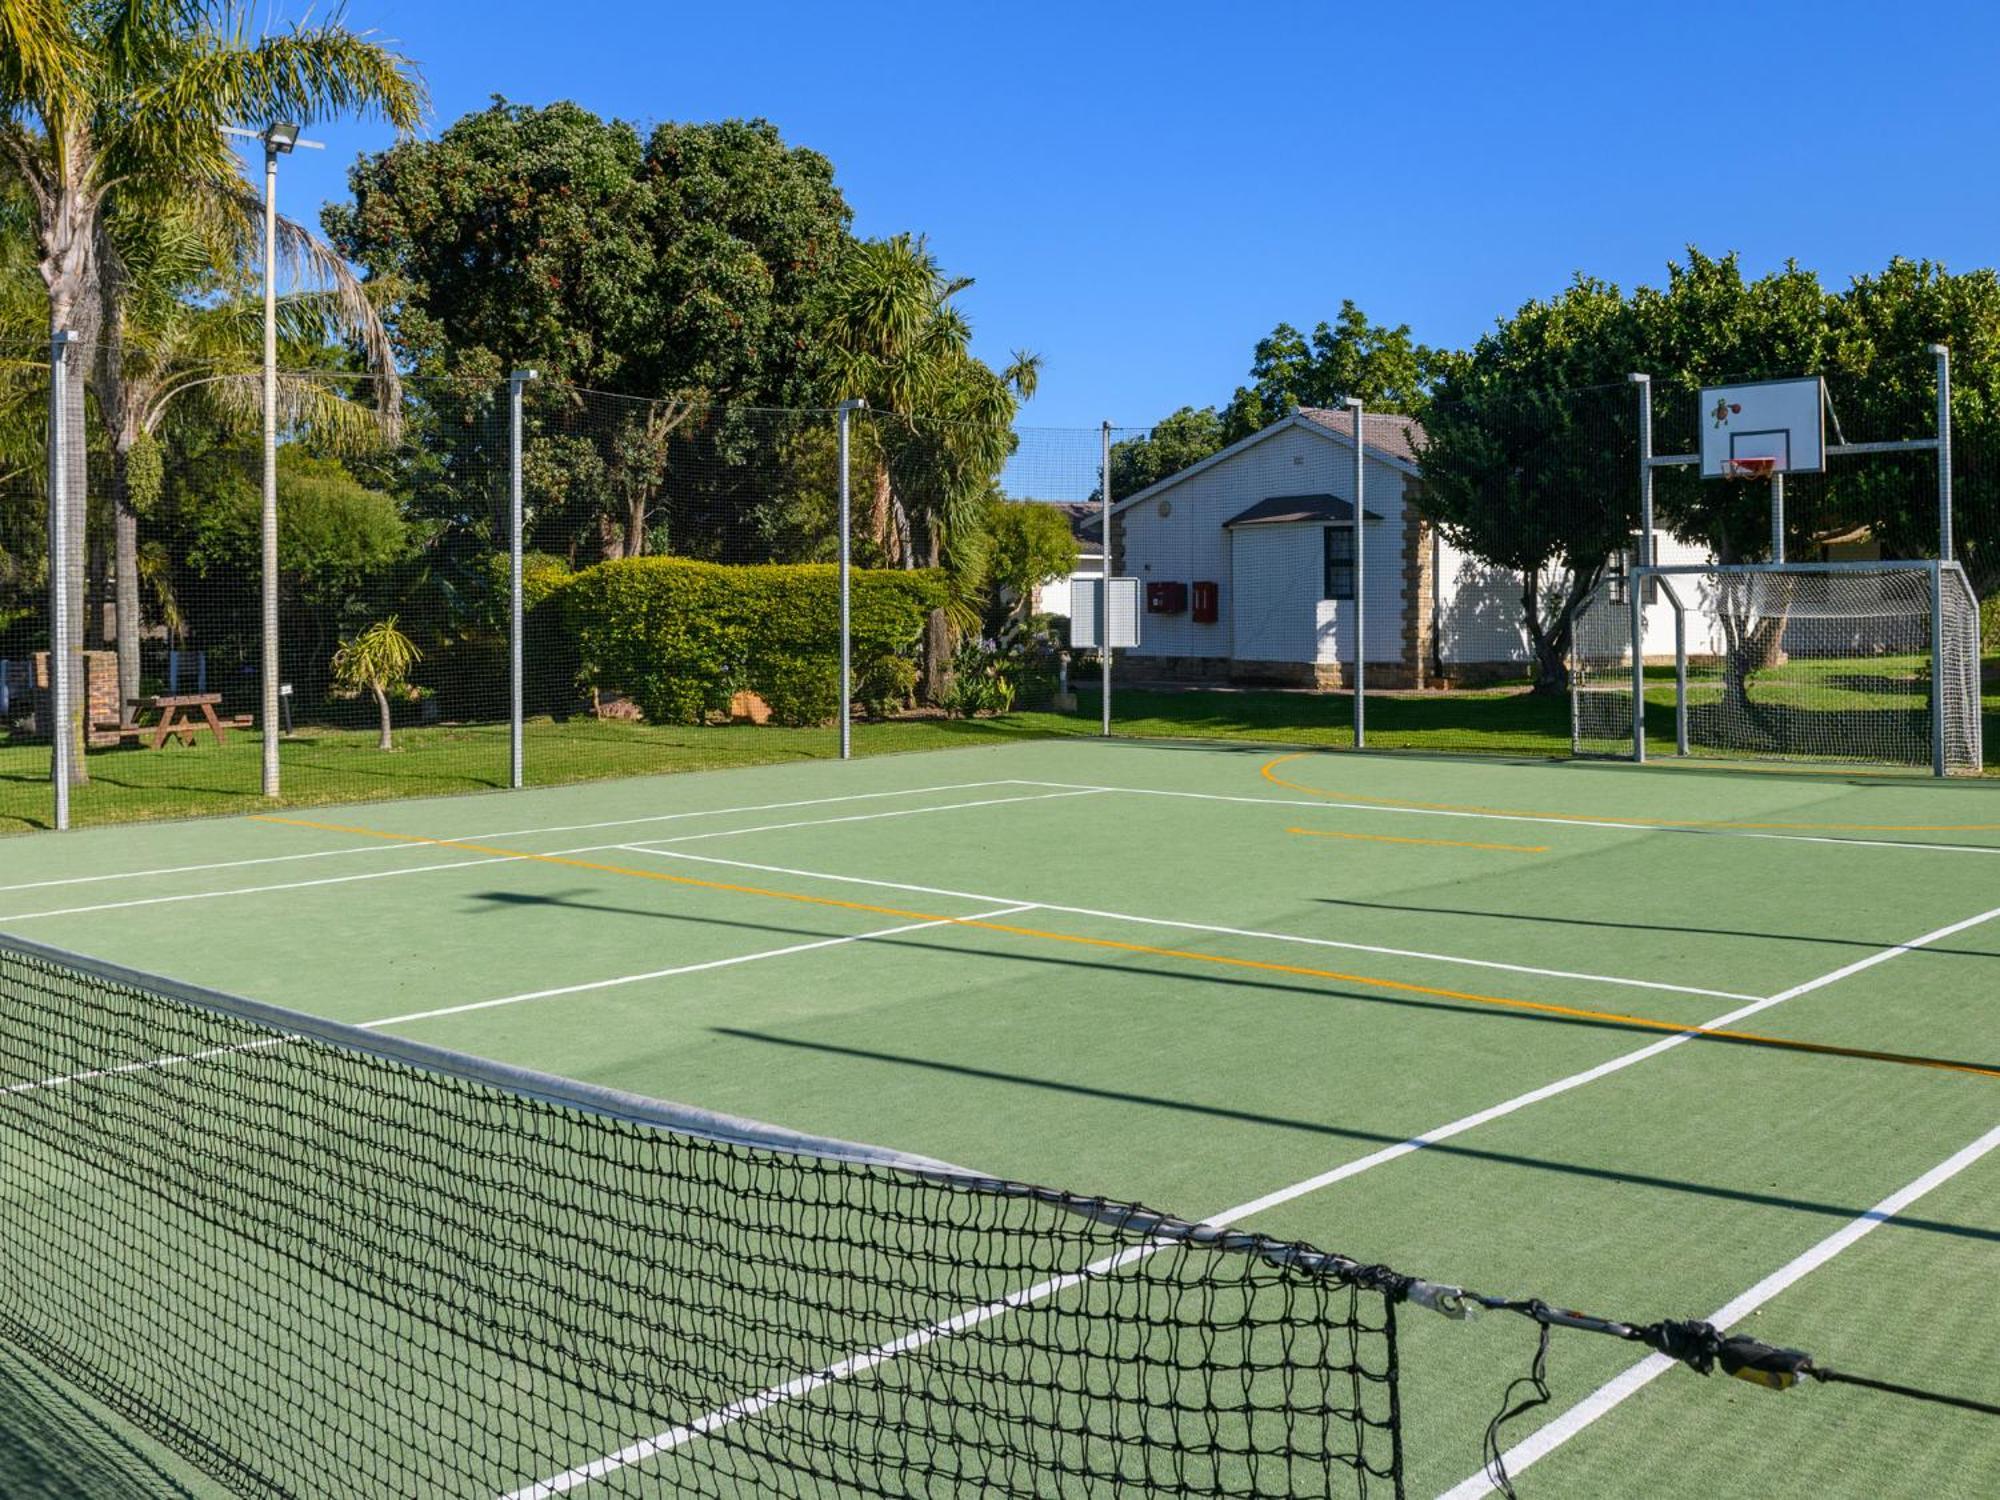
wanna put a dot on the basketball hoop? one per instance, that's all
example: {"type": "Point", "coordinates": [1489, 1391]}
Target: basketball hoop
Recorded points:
{"type": "Point", "coordinates": [1749, 468]}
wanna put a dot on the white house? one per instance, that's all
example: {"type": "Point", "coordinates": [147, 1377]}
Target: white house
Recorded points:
{"type": "Point", "coordinates": [1053, 598]}
{"type": "Point", "coordinates": [1246, 560]}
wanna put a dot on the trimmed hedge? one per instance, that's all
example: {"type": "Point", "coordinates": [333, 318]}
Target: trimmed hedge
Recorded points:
{"type": "Point", "coordinates": [682, 638]}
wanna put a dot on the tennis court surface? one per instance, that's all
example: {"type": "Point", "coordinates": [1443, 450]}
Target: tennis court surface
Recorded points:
{"type": "Point", "coordinates": [1648, 1043]}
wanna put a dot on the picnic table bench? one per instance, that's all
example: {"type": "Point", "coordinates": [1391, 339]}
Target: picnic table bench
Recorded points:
{"type": "Point", "coordinates": [182, 717]}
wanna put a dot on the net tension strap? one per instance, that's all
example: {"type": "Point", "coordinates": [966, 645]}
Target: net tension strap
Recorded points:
{"type": "Point", "coordinates": [1701, 1346]}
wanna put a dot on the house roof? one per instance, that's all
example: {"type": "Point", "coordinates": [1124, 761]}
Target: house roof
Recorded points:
{"type": "Point", "coordinates": [1389, 435]}
{"type": "Point", "coordinates": [1391, 440]}
{"type": "Point", "coordinates": [1278, 510]}
{"type": "Point", "coordinates": [1085, 520]}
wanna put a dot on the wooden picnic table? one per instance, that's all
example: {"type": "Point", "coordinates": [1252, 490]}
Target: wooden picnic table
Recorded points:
{"type": "Point", "coordinates": [182, 717]}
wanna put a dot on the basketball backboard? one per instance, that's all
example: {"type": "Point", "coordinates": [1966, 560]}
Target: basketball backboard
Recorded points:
{"type": "Point", "coordinates": [1763, 427]}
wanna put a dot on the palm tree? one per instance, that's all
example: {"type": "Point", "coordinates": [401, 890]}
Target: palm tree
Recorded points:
{"type": "Point", "coordinates": [118, 107]}
{"type": "Point", "coordinates": [899, 343]}
{"type": "Point", "coordinates": [378, 661]}
{"type": "Point", "coordinates": [191, 325]}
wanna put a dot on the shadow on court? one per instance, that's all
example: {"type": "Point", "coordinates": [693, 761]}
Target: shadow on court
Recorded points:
{"type": "Point", "coordinates": [1873, 945]}
{"type": "Point", "coordinates": [1199, 971]}
{"type": "Point", "coordinates": [1841, 1211]}
{"type": "Point", "coordinates": [52, 1447]}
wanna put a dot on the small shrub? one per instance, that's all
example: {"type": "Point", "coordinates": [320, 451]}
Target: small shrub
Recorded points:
{"type": "Point", "coordinates": [885, 684]}
{"type": "Point", "coordinates": [979, 682]}
{"type": "Point", "coordinates": [801, 691]}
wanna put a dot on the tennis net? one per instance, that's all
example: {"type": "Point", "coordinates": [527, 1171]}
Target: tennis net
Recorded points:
{"type": "Point", "coordinates": [319, 1260]}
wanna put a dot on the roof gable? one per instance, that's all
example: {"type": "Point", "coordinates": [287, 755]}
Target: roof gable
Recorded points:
{"type": "Point", "coordinates": [1398, 451]}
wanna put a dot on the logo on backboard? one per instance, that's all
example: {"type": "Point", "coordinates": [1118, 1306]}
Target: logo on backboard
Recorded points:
{"type": "Point", "coordinates": [1724, 410]}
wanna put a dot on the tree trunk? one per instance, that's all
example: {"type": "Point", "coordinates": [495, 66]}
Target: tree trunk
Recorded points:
{"type": "Point", "coordinates": [382, 706]}
{"type": "Point", "coordinates": [937, 643]}
{"type": "Point", "coordinates": [116, 401]}
{"type": "Point", "coordinates": [125, 577]}
{"type": "Point", "coordinates": [635, 526]}
{"type": "Point", "coordinates": [882, 519]}
{"type": "Point", "coordinates": [66, 242]}
{"type": "Point", "coordinates": [1550, 648]}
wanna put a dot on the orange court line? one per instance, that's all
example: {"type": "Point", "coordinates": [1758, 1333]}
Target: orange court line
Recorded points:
{"type": "Point", "coordinates": [1390, 838]}
{"type": "Point", "coordinates": [1398, 986]}
{"type": "Point", "coordinates": [1268, 772]}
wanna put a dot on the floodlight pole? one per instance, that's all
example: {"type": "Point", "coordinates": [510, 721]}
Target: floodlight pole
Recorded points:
{"type": "Point", "coordinates": [516, 611]}
{"type": "Point", "coordinates": [1942, 353]}
{"type": "Point", "coordinates": [1104, 589]}
{"type": "Point", "coordinates": [1635, 593]}
{"type": "Point", "coordinates": [846, 410]}
{"type": "Point", "coordinates": [279, 138]}
{"type": "Point", "coordinates": [62, 737]}
{"type": "Point", "coordinates": [1354, 406]}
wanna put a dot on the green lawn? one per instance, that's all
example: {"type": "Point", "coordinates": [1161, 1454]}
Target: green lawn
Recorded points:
{"type": "Point", "coordinates": [330, 765]}
{"type": "Point", "coordinates": [335, 765]}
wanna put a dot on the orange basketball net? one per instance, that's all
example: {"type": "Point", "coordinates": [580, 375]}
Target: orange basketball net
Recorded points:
{"type": "Point", "coordinates": [1749, 468]}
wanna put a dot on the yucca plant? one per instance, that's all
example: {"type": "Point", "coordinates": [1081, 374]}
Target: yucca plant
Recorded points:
{"type": "Point", "coordinates": [378, 661]}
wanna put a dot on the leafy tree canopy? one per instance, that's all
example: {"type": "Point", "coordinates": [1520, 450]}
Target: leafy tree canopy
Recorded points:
{"type": "Point", "coordinates": [1351, 356]}
{"type": "Point", "coordinates": [1030, 544]}
{"type": "Point", "coordinates": [552, 238]}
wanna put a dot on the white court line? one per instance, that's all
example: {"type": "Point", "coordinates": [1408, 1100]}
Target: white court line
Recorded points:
{"type": "Point", "coordinates": [651, 846]}
{"type": "Point", "coordinates": [63, 1080]}
{"type": "Point", "coordinates": [973, 1317]}
{"type": "Point", "coordinates": [1547, 1439]}
{"type": "Point", "coordinates": [1571, 822]}
{"type": "Point", "coordinates": [505, 833]}
{"type": "Point", "coordinates": [418, 841]}
{"type": "Point", "coordinates": [695, 968]}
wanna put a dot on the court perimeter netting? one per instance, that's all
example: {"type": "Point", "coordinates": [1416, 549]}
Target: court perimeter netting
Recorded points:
{"type": "Point", "coordinates": [1705, 1051]}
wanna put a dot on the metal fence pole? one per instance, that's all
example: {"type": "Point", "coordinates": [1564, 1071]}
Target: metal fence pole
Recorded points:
{"type": "Point", "coordinates": [1943, 356]}
{"type": "Point", "coordinates": [268, 526]}
{"type": "Point", "coordinates": [516, 611]}
{"type": "Point", "coordinates": [1635, 586]}
{"type": "Point", "coordinates": [1104, 590]}
{"type": "Point", "coordinates": [846, 417]}
{"type": "Point", "coordinates": [1354, 407]}
{"type": "Point", "coordinates": [1937, 670]}
{"type": "Point", "coordinates": [1777, 518]}
{"type": "Point", "coordinates": [62, 739]}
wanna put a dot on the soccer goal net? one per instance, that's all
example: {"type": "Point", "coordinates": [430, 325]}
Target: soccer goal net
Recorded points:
{"type": "Point", "coordinates": [1840, 662]}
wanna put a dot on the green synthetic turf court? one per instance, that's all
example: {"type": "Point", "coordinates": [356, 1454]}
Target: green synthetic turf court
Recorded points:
{"type": "Point", "coordinates": [1201, 977]}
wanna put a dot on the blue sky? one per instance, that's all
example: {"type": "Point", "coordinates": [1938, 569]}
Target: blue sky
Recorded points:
{"type": "Point", "coordinates": [1142, 191]}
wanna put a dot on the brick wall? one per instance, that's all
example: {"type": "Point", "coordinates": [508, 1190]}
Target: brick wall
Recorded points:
{"type": "Point", "coordinates": [101, 705]}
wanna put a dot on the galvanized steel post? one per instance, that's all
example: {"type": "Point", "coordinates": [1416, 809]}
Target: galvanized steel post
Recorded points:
{"type": "Point", "coordinates": [516, 614]}
{"type": "Point", "coordinates": [846, 415]}
{"type": "Point", "coordinates": [1104, 586]}
{"type": "Point", "coordinates": [62, 735]}
{"type": "Point", "coordinates": [1635, 588]}
{"type": "Point", "coordinates": [1945, 540]}
{"type": "Point", "coordinates": [1354, 407]}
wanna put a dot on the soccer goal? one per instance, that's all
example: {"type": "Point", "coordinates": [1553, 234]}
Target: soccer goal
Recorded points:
{"type": "Point", "coordinates": [1842, 662]}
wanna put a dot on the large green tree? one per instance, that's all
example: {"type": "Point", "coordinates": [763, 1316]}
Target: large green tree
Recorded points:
{"type": "Point", "coordinates": [1350, 356]}
{"type": "Point", "coordinates": [679, 271]}
{"type": "Point", "coordinates": [1177, 441]}
{"type": "Point", "coordinates": [118, 108]}
{"type": "Point", "coordinates": [1528, 460]}
{"type": "Point", "coordinates": [1532, 443]}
